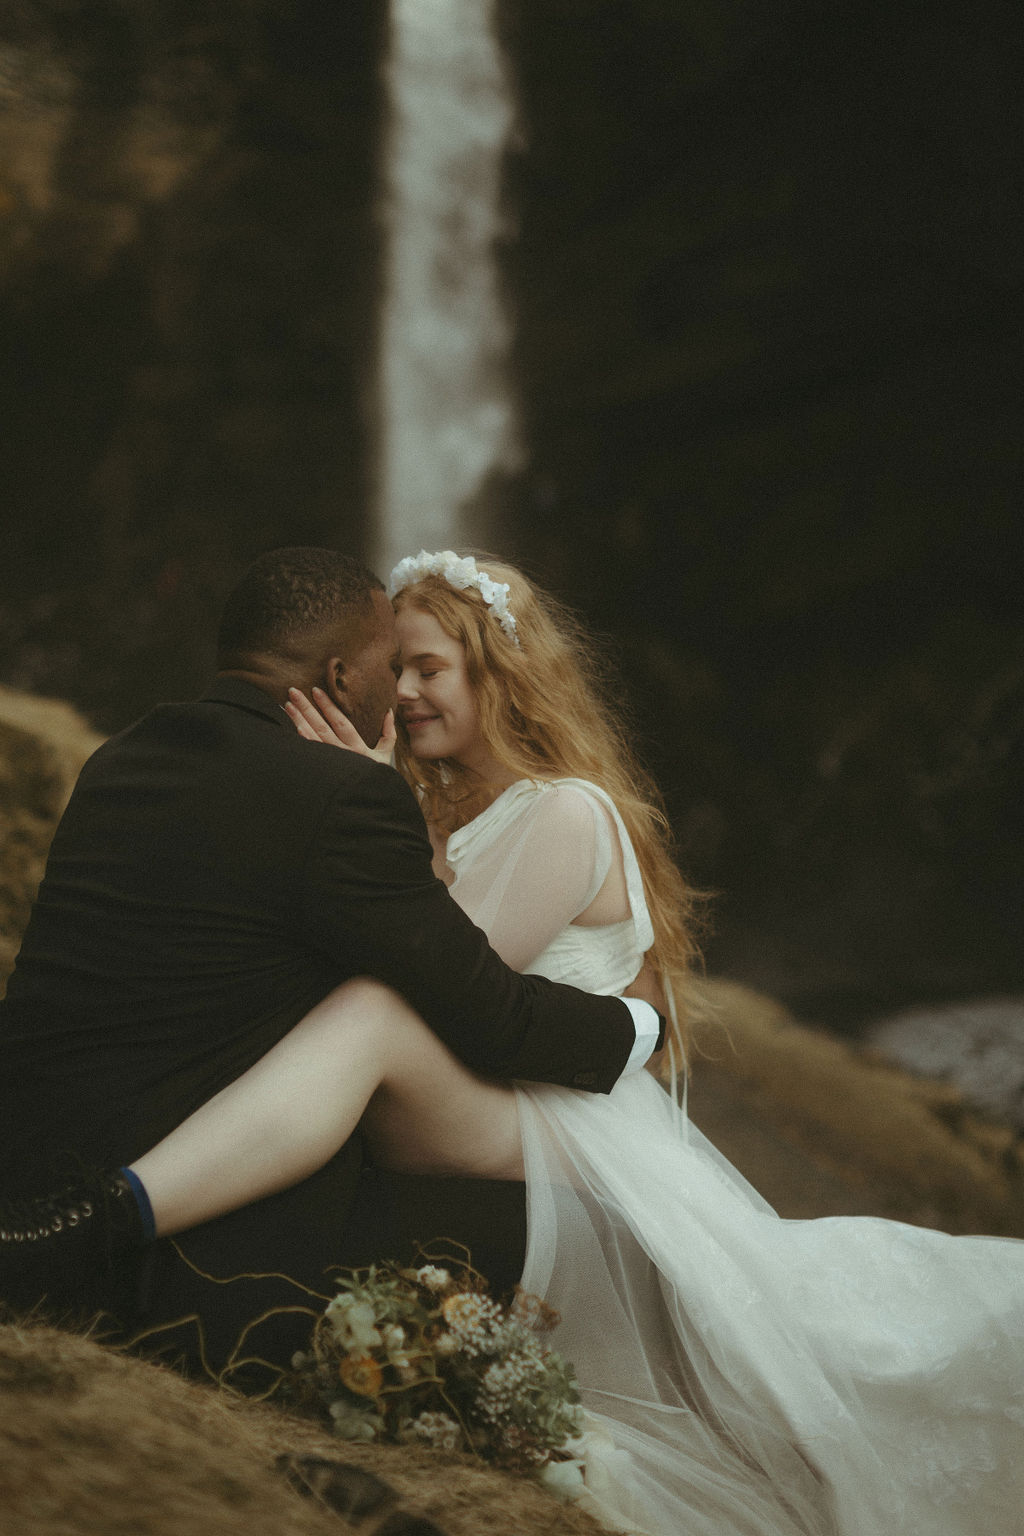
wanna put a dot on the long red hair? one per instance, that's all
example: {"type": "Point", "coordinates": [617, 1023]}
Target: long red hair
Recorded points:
{"type": "Point", "coordinates": [544, 714]}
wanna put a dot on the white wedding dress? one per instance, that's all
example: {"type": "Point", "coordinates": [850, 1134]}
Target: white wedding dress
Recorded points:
{"type": "Point", "coordinates": [743, 1375]}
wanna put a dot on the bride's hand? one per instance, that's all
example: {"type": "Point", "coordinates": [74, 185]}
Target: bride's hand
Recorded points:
{"type": "Point", "coordinates": [324, 721]}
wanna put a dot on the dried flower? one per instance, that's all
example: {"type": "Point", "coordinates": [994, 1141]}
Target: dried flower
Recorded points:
{"type": "Point", "coordinates": [438, 1429]}
{"type": "Point", "coordinates": [351, 1423]}
{"type": "Point", "coordinates": [433, 1278]}
{"type": "Point", "coordinates": [426, 1354]}
{"type": "Point", "coordinates": [474, 1321]}
{"type": "Point", "coordinates": [361, 1374]}
{"type": "Point", "coordinates": [532, 1312]}
{"type": "Point", "coordinates": [353, 1320]}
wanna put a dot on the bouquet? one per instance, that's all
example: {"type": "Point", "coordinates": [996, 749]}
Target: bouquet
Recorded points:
{"type": "Point", "coordinates": [425, 1355]}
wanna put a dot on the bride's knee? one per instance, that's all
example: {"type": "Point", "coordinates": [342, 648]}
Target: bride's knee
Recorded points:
{"type": "Point", "coordinates": [365, 1002]}
{"type": "Point", "coordinates": [364, 996]}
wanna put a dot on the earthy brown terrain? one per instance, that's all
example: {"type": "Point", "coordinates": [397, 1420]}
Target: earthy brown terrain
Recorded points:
{"type": "Point", "coordinates": [823, 1129]}
{"type": "Point", "coordinates": [95, 1443]}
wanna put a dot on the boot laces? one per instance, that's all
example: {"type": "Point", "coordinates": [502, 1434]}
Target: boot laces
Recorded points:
{"type": "Point", "coordinates": [29, 1221]}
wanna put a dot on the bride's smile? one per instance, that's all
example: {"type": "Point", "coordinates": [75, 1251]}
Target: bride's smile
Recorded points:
{"type": "Point", "coordinates": [437, 704]}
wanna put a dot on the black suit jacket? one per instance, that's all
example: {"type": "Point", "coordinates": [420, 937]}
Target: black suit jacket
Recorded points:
{"type": "Point", "coordinates": [212, 877]}
{"type": "Point", "coordinates": [215, 875]}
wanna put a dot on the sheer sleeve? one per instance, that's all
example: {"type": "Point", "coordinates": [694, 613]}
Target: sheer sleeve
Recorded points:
{"type": "Point", "coordinates": [531, 883]}
{"type": "Point", "coordinates": [370, 901]}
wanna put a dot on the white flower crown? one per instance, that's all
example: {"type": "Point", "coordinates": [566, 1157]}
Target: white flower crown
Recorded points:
{"type": "Point", "coordinates": [459, 571]}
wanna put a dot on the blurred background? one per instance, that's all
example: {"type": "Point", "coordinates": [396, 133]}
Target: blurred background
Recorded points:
{"type": "Point", "coordinates": [709, 313]}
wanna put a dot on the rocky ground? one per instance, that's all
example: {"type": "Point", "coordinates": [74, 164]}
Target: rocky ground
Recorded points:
{"type": "Point", "coordinates": [825, 1128]}
{"type": "Point", "coordinates": [976, 1045]}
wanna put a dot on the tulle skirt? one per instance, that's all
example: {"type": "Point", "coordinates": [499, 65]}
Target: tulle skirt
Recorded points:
{"type": "Point", "coordinates": [744, 1375]}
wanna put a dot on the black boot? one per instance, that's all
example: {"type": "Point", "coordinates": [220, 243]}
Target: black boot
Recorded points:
{"type": "Point", "coordinates": [61, 1253]}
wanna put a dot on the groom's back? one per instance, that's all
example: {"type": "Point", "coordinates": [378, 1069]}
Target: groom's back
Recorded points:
{"type": "Point", "coordinates": [166, 950]}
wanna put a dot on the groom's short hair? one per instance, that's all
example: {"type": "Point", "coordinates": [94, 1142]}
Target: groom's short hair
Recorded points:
{"type": "Point", "coordinates": [290, 592]}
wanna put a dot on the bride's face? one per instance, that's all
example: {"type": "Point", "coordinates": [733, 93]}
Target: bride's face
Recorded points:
{"type": "Point", "coordinates": [436, 701]}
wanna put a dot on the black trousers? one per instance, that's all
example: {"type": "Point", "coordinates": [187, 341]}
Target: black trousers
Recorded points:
{"type": "Point", "coordinates": [192, 1311]}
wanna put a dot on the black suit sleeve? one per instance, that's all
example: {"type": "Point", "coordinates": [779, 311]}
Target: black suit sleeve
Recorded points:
{"type": "Point", "coordinates": [372, 898]}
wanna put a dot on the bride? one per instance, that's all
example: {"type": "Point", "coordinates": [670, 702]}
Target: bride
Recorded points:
{"type": "Point", "coordinates": [742, 1375]}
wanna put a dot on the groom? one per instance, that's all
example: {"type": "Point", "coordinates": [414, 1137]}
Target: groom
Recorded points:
{"type": "Point", "coordinates": [213, 877]}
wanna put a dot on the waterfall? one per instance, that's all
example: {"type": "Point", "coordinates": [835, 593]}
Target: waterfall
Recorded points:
{"type": "Point", "coordinates": [446, 413]}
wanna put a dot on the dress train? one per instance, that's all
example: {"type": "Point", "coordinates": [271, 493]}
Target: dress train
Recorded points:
{"type": "Point", "coordinates": [743, 1375]}
{"type": "Point", "coordinates": [750, 1376]}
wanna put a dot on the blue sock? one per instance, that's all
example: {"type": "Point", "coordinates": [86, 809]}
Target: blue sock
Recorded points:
{"type": "Point", "coordinates": [138, 1189]}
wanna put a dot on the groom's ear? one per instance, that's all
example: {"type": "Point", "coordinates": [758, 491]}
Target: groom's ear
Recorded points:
{"type": "Point", "coordinates": [336, 680]}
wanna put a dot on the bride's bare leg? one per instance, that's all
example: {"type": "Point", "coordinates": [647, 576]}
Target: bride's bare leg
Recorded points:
{"type": "Point", "coordinates": [361, 1052]}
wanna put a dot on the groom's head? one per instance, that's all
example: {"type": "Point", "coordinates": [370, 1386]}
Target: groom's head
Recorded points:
{"type": "Point", "coordinates": [306, 616]}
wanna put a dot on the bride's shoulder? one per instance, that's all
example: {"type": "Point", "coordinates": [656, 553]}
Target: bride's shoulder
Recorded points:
{"type": "Point", "coordinates": [546, 805]}
{"type": "Point", "coordinates": [566, 802]}
{"type": "Point", "coordinates": [569, 791]}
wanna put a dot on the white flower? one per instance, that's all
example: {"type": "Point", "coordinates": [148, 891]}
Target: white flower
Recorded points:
{"type": "Point", "coordinates": [394, 1339]}
{"type": "Point", "coordinates": [475, 1322]}
{"type": "Point", "coordinates": [563, 1478]}
{"type": "Point", "coordinates": [438, 1429]}
{"type": "Point", "coordinates": [433, 1278]}
{"type": "Point", "coordinates": [459, 572]}
{"type": "Point", "coordinates": [501, 1382]}
{"type": "Point", "coordinates": [352, 1423]}
{"type": "Point", "coordinates": [353, 1322]}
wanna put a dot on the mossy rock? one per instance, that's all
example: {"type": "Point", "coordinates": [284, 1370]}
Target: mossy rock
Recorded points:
{"type": "Point", "coordinates": [822, 1127]}
{"type": "Point", "coordinates": [43, 744]}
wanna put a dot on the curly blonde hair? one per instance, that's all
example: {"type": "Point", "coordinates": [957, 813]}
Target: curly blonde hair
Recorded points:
{"type": "Point", "coordinates": [544, 713]}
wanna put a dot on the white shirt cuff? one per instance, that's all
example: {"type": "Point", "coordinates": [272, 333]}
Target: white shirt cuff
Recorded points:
{"type": "Point", "coordinates": [647, 1023]}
